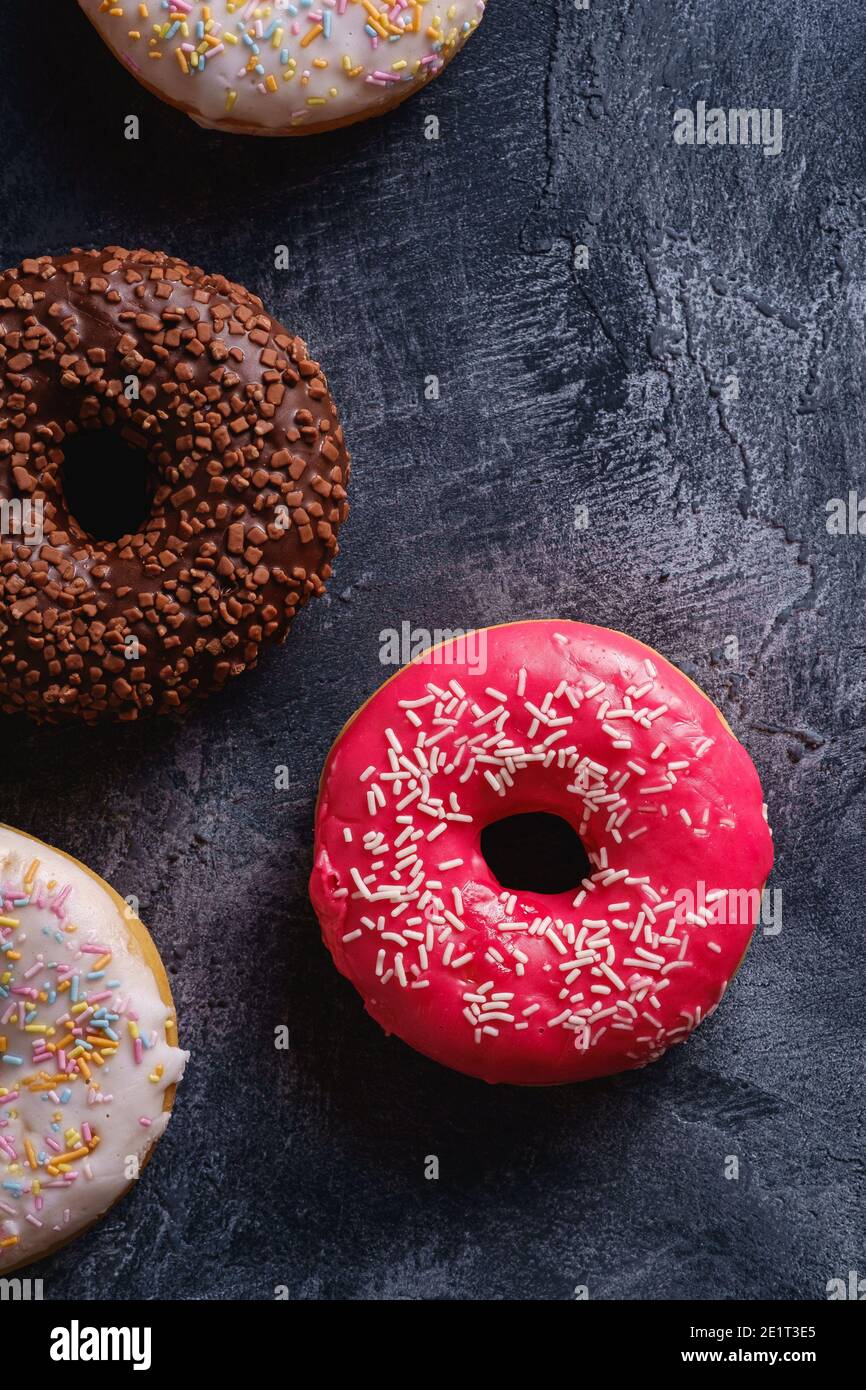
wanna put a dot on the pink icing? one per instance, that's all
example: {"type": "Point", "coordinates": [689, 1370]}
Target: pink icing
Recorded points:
{"type": "Point", "coordinates": [531, 988]}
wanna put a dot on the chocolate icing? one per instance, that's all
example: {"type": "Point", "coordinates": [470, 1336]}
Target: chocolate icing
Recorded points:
{"type": "Point", "coordinates": [251, 470]}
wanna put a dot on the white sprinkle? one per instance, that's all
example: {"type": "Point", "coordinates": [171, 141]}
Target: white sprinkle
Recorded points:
{"type": "Point", "coordinates": [611, 975]}
{"type": "Point", "coordinates": [556, 941]}
{"type": "Point", "coordinates": [360, 884]}
{"type": "Point", "coordinates": [560, 1018]}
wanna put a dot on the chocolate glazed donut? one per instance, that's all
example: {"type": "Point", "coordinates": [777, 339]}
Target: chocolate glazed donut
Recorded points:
{"type": "Point", "coordinates": [250, 472]}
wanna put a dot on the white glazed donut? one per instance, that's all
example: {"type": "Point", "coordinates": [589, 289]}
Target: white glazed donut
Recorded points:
{"type": "Point", "coordinates": [88, 1055]}
{"type": "Point", "coordinates": [284, 67]}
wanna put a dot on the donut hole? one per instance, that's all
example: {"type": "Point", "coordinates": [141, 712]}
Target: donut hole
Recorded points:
{"type": "Point", "coordinates": [109, 485]}
{"type": "Point", "coordinates": [535, 852]}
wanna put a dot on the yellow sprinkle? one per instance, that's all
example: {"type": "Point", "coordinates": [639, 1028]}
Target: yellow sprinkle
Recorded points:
{"type": "Point", "coordinates": [231, 98]}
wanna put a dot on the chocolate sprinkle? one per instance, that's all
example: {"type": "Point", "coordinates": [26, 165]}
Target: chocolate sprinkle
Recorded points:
{"type": "Point", "coordinates": [251, 467]}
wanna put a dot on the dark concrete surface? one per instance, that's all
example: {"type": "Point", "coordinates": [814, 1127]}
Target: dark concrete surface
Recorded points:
{"type": "Point", "coordinates": [699, 388]}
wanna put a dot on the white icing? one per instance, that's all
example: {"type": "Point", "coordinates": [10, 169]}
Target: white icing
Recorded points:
{"type": "Point", "coordinates": [258, 72]}
{"type": "Point", "coordinates": [120, 1094]}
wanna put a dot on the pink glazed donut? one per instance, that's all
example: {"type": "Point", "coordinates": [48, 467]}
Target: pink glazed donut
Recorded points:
{"type": "Point", "coordinates": [522, 987]}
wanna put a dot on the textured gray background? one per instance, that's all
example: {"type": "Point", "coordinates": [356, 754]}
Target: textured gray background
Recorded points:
{"type": "Point", "coordinates": [707, 519]}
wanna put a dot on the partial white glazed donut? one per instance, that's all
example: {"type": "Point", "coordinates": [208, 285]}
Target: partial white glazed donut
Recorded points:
{"type": "Point", "coordinates": [284, 67]}
{"type": "Point", "coordinates": [88, 1054]}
